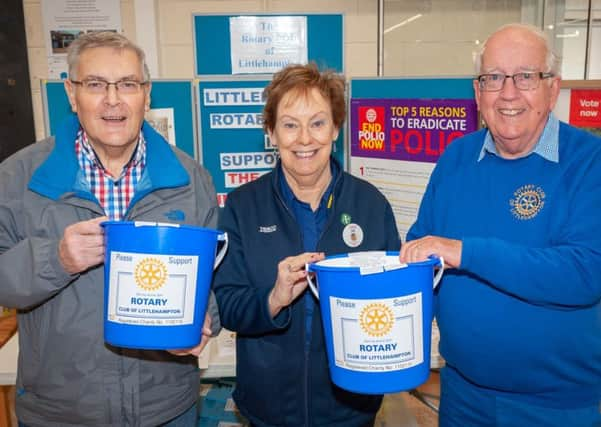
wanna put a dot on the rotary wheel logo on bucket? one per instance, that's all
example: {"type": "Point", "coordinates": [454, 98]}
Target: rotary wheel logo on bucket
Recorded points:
{"type": "Point", "coordinates": [150, 274]}
{"type": "Point", "coordinates": [376, 319]}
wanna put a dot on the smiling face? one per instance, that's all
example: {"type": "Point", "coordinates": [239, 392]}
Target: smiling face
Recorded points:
{"type": "Point", "coordinates": [516, 118]}
{"type": "Point", "coordinates": [304, 132]}
{"type": "Point", "coordinates": [112, 120]}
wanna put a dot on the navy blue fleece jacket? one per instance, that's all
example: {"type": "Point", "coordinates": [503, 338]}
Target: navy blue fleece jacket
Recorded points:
{"type": "Point", "coordinates": [278, 383]}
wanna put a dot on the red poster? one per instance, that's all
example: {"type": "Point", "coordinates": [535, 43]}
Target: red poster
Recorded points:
{"type": "Point", "coordinates": [585, 108]}
{"type": "Point", "coordinates": [371, 133]}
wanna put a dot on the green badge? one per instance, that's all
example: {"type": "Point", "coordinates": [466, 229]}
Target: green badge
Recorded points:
{"type": "Point", "coordinates": [345, 219]}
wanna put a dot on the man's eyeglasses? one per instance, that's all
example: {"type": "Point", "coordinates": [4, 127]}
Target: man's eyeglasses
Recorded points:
{"type": "Point", "coordinates": [98, 86]}
{"type": "Point", "coordinates": [523, 81]}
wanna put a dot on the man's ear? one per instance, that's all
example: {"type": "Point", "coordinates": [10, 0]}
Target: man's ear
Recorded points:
{"type": "Point", "coordinates": [554, 93]}
{"type": "Point", "coordinates": [476, 84]}
{"type": "Point", "coordinates": [70, 89]}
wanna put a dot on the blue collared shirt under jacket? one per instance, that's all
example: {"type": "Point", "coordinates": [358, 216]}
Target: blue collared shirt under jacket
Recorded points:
{"type": "Point", "coordinates": [547, 146]}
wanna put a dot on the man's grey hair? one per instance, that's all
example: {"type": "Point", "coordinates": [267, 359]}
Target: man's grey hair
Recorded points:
{"type": "Point", "coordinates": [108, 39]}
{"type": "Point", "coordinates": [552, 60]}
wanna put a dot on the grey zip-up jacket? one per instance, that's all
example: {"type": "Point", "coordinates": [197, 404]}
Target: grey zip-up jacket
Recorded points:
{"type": "Point", "coordinates": [67, 374]}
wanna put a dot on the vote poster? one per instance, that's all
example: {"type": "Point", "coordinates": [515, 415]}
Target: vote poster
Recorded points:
{"type": "Point", "coordinates": [234, 147]}
{"type": "Point", "coordinates": [585, 109]}
{"type": "Point", "coordinates": [395, 143]}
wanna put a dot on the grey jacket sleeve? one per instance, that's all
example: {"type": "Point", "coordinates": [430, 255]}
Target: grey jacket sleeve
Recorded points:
{"type": "Point", "coordinates": [30, 271]}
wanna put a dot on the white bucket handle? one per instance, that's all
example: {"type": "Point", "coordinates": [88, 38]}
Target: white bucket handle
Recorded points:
{"type": "Point", "coordinates": [310, 282]}
{"type": "Point", "coordinates": [438, 275]}
{"type": "Point", "coordinates": [222, 251]}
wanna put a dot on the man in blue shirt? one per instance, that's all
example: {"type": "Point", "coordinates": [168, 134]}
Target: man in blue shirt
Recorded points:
{"type": "Point", "coordinates": [514, 211]}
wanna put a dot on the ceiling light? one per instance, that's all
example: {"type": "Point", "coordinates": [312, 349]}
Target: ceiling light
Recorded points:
{"type": "Point", "coordinates": [405, 22]}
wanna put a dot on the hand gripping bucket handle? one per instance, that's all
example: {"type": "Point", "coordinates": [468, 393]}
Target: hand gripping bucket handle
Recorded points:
{"type": "Point", "coordinates": [435, 282]}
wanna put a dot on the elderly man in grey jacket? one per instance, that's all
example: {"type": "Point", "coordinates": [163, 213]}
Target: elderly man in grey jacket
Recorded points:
{"type": "Point", "coordinates": [104, 162]}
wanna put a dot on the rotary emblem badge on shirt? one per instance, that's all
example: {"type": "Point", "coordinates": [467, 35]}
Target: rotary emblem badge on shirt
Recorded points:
{"type": "Point", "coordinates": [352, 234]}
{"type": "Point", "coordinates": [527, 202]}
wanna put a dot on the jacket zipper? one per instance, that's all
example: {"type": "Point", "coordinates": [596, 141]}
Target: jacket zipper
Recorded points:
{"type": "Point", "coordinates": [307, 349]}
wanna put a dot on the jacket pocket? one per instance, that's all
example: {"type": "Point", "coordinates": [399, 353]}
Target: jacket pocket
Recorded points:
{"type": "Point", "coordinates": [259, 380]}
{"type": "Point", "coordinates": [33, 333]}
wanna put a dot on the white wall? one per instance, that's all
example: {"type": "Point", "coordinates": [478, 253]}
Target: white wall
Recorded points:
{"type": "Point", "coordinates": [443, 36]}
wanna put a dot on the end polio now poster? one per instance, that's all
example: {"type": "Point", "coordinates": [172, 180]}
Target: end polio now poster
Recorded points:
{"type": "Point", "coordinates": [395, 144]}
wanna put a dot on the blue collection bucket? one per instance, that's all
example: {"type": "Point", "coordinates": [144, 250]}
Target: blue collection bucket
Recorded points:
{"type": "Point", "coordinates": [157, 278]}
{"type": "Point", "coordinates": [377, 319]}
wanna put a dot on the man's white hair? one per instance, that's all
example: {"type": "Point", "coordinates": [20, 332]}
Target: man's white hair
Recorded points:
{"type": "Point", "coordinates": [552, 60]}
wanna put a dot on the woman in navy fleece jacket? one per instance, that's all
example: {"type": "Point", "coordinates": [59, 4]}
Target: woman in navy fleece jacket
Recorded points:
{"type": "Point", "coordinates": [305, 209]}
